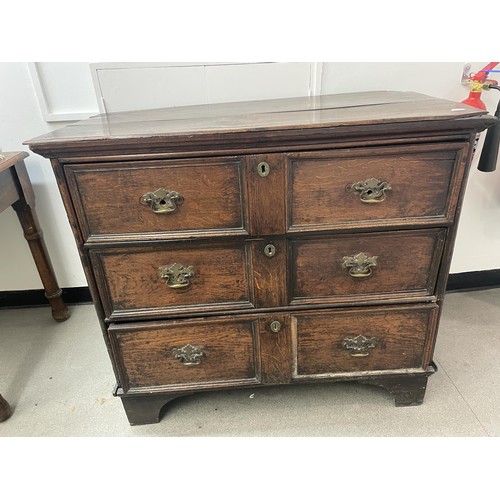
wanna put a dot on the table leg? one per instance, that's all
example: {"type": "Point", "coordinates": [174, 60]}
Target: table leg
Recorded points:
{"type": "Point", "coordinates": [5, 411]}
{"type": "Point", "coordinates": [34, 236]}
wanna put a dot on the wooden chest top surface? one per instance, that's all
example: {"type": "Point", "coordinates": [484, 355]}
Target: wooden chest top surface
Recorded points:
{"type": "Point", "coordinates": [339, 110]}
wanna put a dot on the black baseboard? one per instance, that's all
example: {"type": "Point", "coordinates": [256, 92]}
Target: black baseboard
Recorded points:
{"type": "Point", "coordinates": [460, 282]}
{"type": "Point", "coordinates": [474, 280]}
{"type": "Point", "coordinates": [32, 298]}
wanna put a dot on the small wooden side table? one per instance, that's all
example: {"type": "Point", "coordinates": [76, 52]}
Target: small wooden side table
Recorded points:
{"type": "Point", "coordinates": [16, 191]}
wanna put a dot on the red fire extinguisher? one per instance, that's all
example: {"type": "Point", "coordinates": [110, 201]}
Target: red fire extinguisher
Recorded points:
{"type": "Point", "coordinates": [477, 83]}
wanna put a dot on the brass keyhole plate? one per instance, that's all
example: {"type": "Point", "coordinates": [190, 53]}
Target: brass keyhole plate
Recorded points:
{"type": "Point", "coordinates": [263, 169]}
{"type": "Point", "coordinates": [275, 326]}
{"type": "Point", "coordinates": [269, 250]}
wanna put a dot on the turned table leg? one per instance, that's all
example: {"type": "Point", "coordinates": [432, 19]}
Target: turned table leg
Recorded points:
{"type": "Point", "coordinates": [5, 411]}
{"type": "Point", "coordinates": [34, 236]}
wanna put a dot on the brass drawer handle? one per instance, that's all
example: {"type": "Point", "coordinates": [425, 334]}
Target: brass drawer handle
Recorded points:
{"type": "Point", "coordinates": [371, 190]}
{"type": "Point", "coordinates": [359, 265]}
{"type": "Point", "coordinates": [359, 346]}
{"type": "Point", "coordinates": [162, 201]}
{"type": "Point", "coordinates": [189, 355]}
{"type": "Point", "coordinates": [176, 275]}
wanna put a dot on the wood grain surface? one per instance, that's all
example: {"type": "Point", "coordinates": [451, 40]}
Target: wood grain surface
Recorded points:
{"type": "Point", "coordinates": [400, 339]}
{"type": "Point", "coordinates": [407, 263]}
{"type": "Point", "coordinates": [275, 349]}
{"type": "Point", "coordinates": [129, 278]}
{"type": "Point", "coordinates": [266, 195]}
{"type": "Point", "coordinates": [337, 109]}
{"type": "Point", "coordinates": [272, 125]}
{"type": "Point", "coordinates": [420, 178]}
{"type": "Point", "coordinates": [108, 198]}
{"type": "Point", "coordinates": [147, 358]}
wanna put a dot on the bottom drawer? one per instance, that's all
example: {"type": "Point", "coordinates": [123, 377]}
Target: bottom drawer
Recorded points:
{"type": "Point", "coordinates": [363, 340]}
{"type": "Point", "coordinates": [272, 348]}
{"type": "Point", "coordinates": [186, 353]}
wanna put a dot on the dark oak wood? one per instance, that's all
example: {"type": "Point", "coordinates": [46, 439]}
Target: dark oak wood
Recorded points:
{"type": "Point", "coordinates": [294, 113]}
{"type": "Point", "coordinates": [421, 180]}
{"type": "Point", "coordinates": [407, 263]}
{"type": "Point", "coordinates": [276, 349]}
{"type": "Point", "coordinates": [129, 280]}
{"type": "Point", "coordinates": [398, 339]}
{"type": "Point", "coordinates": [9, 193]}
{"type": "Point", "coordinates": [269, 273]}
{"type": "Point", "coordinates": [147, 353]}
{"type": "Point", "coordinates": [407, 389]}
{"type": "Point", "coordinates": [267, 212]}
{"type": "Point", "coordinates": [34, 236]}
{"type": "Point", "coordinates": [146, 410]}
{"type": "Point", "coordinates": [107, 198]}
{"type": "Point", "coordinates": [270, 302]}
{"type": "Point", "coordinates": [5, 409]}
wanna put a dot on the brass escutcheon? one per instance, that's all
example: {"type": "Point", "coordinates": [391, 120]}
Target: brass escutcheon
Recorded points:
{"type": "Point", "coordinates": [263, 169]}
{"type": "Point", "coordinates": [360, 345]}
{"type": "Point", "coordinates": [359, 265]}
{"type": "Point", "coordinates": [162, 201]}
{"type": "Point", "coordinates": [269, 250]}
{"type": "Point", "coordinates": [370, 190]}
{"type": "Point", "coordinates": [176, 275]}
{"type": "Point", "coordinates": [189, 355]}
{"type": "Point", "coordinates": [275, 326]}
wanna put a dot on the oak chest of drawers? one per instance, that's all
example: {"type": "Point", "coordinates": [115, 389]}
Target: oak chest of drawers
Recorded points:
{"type": "Point", "coordinates": [272, 242]}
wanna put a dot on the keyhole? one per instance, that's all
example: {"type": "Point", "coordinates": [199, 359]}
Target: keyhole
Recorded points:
{"type": "Point", "coordinates": [275, 326]}
{"type": "Point", "coordinates": [263, 169]}
{"type": "Point", "coordinates": [269, 250]}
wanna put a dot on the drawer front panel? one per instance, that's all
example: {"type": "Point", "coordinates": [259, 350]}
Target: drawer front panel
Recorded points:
{"type": "Point", "coordinates": [356, 188]}
{"type": "Point", "coordinates": [172, 279]}
{"type": "Point", "coordinates": [360, 340]}
{"type": "Point", "coordinates": [366, 266]}
{"type": "Point", "coordinates": [186, 352]}
{"type": "Point", "coordinates": [167, 198]}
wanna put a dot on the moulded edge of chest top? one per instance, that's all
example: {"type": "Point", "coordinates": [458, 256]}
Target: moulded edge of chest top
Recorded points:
{"type": "Point", "coordinates": [259, 141]}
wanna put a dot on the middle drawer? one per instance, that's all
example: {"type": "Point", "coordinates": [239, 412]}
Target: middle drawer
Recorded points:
{"type": "Point", "coordinates": [172, 279]}
{"type": "Point", "coordinates": [394, 265]}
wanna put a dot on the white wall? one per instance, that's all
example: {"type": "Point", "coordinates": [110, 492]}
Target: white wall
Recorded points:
{"type": "Point", "coordinates": [478, 241]}
{"type": "Point", "coordinates": [21, 119]}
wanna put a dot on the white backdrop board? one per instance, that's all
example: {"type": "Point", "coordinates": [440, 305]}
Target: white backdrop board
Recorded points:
{"type": "Point", "coordinates": [133, 86]}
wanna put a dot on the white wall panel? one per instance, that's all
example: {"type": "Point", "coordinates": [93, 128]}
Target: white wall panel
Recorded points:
{"type": "Point", "coordinates": [257, 81]}
{"type": "Point", "coordinates": [141, 86]}
{"type": "Point", "coordinates": [64, 90]}
{"type": "Point", "coordinates": [128, 89]}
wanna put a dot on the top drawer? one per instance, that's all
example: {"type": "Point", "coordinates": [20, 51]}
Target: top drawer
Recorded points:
{"type": "Point", "coordinates": [375, 186]}
{"type": "Point", "coordinates": [159, 199]}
